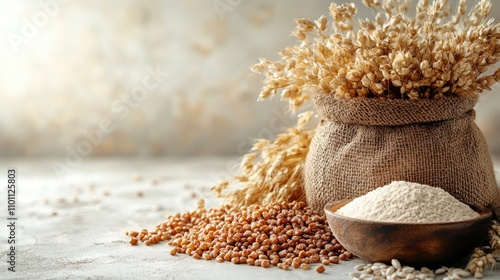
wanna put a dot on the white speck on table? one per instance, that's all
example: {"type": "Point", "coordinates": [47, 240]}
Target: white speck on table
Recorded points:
{"type": "Point", "coordinates": [75, 228]}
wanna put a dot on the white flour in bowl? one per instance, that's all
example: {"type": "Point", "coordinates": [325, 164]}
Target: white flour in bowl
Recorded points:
{"type": "Point", "coordinates": [407, 202]}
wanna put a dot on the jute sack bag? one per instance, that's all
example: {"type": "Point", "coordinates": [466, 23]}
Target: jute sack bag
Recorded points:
{"type": "Point", "coordinates": [362, 144]}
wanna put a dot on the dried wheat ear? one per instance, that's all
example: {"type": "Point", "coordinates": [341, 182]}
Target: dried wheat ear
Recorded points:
{"type": "Point", "coordinates": [441, 52]}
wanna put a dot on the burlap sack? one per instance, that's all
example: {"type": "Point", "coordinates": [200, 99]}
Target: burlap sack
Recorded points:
{"type": "Point", "coordinates": [362, 144]}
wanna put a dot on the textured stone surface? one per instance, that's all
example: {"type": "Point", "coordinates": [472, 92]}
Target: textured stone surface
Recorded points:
{"type": "Point", "coordinates": [86, 237]}
{"type": "Point", "coordinates": [63, 77]}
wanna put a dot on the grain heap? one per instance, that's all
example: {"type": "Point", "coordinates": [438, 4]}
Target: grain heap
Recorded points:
{"type": "Point", "coordinates": [280, 234]}
{"type": "Point", "coordinates": [406, 202]}
{"type": "Point", "coordinates": [396, 271]}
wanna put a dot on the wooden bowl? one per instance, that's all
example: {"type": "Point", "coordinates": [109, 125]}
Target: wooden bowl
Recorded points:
{"type": "Point", "coordinates": [414, 244]}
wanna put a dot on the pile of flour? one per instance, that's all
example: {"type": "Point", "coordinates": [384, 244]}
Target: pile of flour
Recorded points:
{"type": "Point", "coordinates": [407, 202]}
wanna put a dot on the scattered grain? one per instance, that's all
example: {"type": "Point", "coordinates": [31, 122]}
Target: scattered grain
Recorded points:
{"type": "Point", "coordinates": [133, 241]}
{"type": "Point", "coordinates": [136, 177]}
{"type": "Point", "coordinates": [320, 269]}
{"type": "Point", "coordinates": [396, 264]}
{"type": "Point", "coordinates": [153, 182]}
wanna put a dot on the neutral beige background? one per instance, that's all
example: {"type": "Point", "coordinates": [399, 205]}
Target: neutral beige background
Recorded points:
{"type": "Point", "coordinates": [79, 59]}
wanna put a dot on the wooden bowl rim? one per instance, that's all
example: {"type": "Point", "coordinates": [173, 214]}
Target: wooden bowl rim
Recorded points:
{"type": "Point", "coordinates": [484, 213]}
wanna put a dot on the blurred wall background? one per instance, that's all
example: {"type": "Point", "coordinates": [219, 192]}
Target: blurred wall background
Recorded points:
{"type": "Point", "coordinates": [149, 78]}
